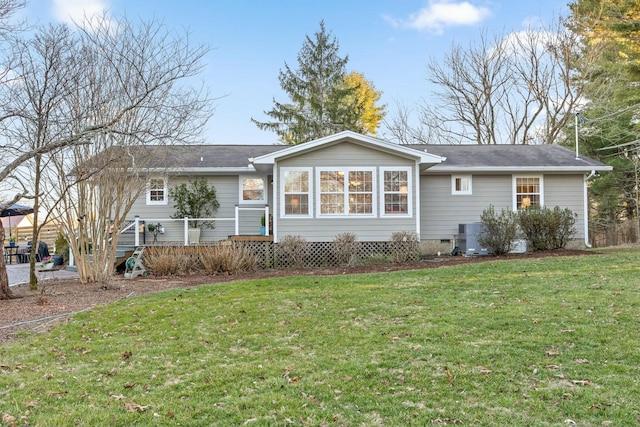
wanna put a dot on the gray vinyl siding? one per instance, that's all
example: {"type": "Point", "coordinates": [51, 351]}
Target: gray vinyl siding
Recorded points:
{"type": "Point", "coordinates": [441, 212]}
{"type": "Point", "coordinates": [345, 154]}
{"type": "Point", "coordinates": [227, 192]}
{"type": "Point", "coordinates": [325, 229]}
{"type": "Point", "coordinates": [566, 191]}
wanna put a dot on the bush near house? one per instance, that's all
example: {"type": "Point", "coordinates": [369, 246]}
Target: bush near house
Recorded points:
{"type": "Point", "coordinates": [545, 229]}
{"type": "Point", "coordinates": [227, 259]}
{"type": "Point", "coordinates": [498, 230]}
{"type": "Point", "coordinates": [405, 246]}
{"type": "Point", "coordinates": [292, 251]}
{"type": "Point", "coordinates": [345, 248]}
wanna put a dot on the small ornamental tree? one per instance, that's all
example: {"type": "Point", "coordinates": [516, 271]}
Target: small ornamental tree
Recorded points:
{"type": "Point", "coordinates": [196, 200]}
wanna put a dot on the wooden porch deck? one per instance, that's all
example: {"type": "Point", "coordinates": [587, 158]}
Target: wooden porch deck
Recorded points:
{"type": "Point", "coordinates": [251, 238]}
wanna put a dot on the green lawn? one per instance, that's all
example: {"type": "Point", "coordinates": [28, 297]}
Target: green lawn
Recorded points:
{"type": "Point", "coordinates": [532, 342]}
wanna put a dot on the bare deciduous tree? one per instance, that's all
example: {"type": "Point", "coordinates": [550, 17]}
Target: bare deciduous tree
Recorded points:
{"type": "Point", "coordinates": [401, 129]}
{"type": "Point", "coordinates": [95, 93]}
{"type": "Point", "coordinates": [139, 74]}
{"type": "Point", "coordinates": [517, 89]}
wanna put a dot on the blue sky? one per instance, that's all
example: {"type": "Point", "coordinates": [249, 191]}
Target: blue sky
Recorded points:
{"type": "Point", "coordinates": [389, 41]}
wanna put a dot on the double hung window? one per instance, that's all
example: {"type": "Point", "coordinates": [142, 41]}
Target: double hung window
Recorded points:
{"type": "Point", "coordinates": [396, 186]}
{"type": "Point", "coordinates": [157, 192]}
{"type": "Point", "coordinates": [527, 191]}
{"type": "Point", "coordinates": [296, 184]}
{"type": "Point", "coordinates": [252, 190]}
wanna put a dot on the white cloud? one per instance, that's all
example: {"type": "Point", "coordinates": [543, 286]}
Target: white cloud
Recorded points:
{"type": "Point", "coordinates": [75, 11]}
{"type": "Point", "coordinates": [533, 22]}
{"type": "Point", "coordinates": [440, 14]}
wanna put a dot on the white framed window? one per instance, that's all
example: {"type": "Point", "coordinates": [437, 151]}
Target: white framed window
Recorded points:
{"type": "Point", "coordinates": [253, 189]}
{"type": "Point", "coordinates": [295, 187]}
{"type": "Point", "coordinates": [157, 191]}
{"type": "Point", "coordinates": [461, 185]}
{"type": "Point", "coordinates": [346, 192]}
{"type": "Point", "coordinates": [527, 191]}
{"type": "Point", "coordinates": [396, 191]}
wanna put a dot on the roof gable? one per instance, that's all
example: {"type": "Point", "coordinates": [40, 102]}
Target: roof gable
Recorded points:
{"type": "Point", "coordinates": [348, 136]}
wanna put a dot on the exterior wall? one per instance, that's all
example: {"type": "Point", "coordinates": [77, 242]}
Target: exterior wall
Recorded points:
{"type": "Point", "coordinates": [228, 195]}
{"type": "Point", "coordinates": [316, 229]}
{"type": "Point", "coordinates": [442, 212]}
{"type": "Point", "coordinates": [566, 191]}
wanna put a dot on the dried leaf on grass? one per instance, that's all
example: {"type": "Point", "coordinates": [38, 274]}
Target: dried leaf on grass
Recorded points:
{"type": "Point", "coordinates": [134, 407]}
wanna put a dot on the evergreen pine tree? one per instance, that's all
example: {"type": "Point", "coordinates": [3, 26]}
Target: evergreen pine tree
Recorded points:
{"type": "Point", "coordinates": [321, 104]}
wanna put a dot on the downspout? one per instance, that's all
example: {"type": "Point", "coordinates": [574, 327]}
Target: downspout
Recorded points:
{"type": "Point", "coordinates": [586, 209]}
{"type": "Point", "coordinates": [275, 199]}
{"type": "Point", "coordinates": [417, 198]}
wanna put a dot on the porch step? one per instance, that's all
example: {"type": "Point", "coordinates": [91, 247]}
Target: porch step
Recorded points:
{"type": "Point", "coordinates": [123, 252]}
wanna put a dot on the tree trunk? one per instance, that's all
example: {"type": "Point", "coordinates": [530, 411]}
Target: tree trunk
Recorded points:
{"type": "Point", "coordinates": [5, 291]}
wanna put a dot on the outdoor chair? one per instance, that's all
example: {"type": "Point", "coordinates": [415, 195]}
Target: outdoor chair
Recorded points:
{"type": "Point", "coordinates": [42, 252]}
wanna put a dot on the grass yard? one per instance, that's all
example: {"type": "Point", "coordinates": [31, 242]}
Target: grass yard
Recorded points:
{"type": "Point", "coordinates": [531, 342]}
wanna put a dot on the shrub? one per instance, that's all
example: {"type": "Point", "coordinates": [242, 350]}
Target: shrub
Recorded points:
{"type": "Point", "coordinates": [345, 248]}
{"type": "Point", "coordinates": [498, 230]}
{"type": "Point", "coordinates": [168, 261]}
{"type": "Point", "coordinates": [292, 250]}
{"type": "Point", "coordinates": [404, 246]}
{"type": "Point", "coordinates": [227, 259]}
{"type": "Point", "coordinates": [62, 245]}
{"type": "Point", "coordinates": [547, 229]}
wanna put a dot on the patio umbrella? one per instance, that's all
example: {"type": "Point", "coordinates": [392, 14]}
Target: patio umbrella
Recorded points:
{"type": "Point", "coordinates": [15, 210]}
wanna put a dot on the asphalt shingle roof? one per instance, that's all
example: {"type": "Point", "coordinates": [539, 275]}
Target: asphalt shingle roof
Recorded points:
{"type": "Point", "coordinates": [490, 157]}
{"type": "Point", "coordinates": [507, 156]}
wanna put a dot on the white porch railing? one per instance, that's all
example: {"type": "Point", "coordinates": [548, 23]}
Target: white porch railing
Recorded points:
{"type": "Point", "coordinates": [138, 221]}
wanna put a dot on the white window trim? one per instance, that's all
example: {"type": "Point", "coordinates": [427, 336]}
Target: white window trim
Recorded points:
{"type": "Point", "coordinates": [163, 202]}
{"type": "Point", "coordinates": [461, 193]}
{"type": "Point", "coordinates": [514, 196]}
{"type": "Point", "coordinates": [409, 213]}
{"type": "Point", "coordinates": [309, 193]}
{"type": "Point", "coordinates": [374, 195]}
{"type": "Point", "coordinates": [265, 193]}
